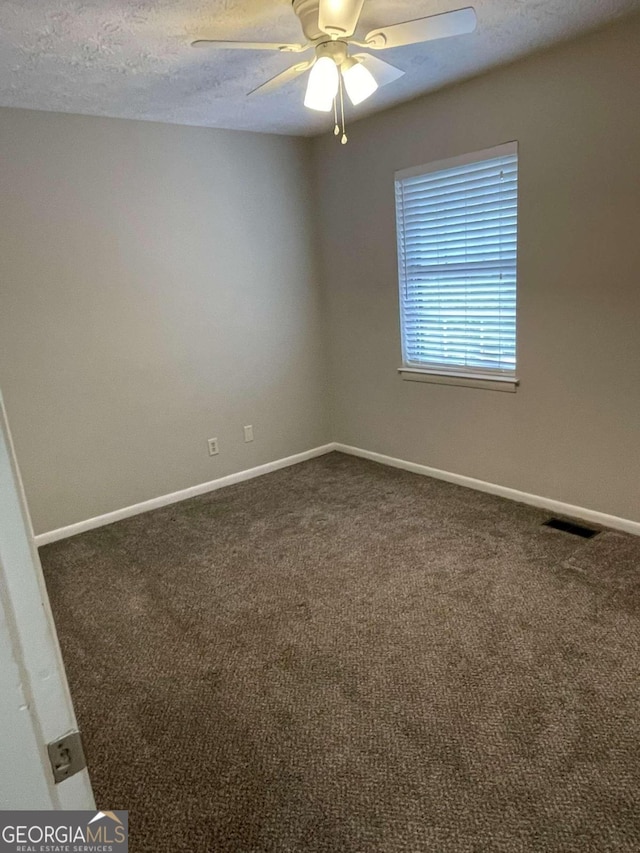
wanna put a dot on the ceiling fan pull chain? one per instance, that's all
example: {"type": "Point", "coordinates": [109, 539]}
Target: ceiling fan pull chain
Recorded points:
{"type": "Point", "coordinates": [344, 138]}
{"type": "Point", "coordinates": [336, 129]}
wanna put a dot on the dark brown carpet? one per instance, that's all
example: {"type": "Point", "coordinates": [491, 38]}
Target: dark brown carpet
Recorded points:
{"type": "Point", "coordinates": [346, 657]}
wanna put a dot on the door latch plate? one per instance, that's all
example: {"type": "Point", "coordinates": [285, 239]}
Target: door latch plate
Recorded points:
{"type": "Point", "coordinates": [66, 756]}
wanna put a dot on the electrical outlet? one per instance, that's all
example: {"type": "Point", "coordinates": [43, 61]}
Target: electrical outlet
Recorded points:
{"type": "Point", "coordinates": [248, 433]}
{"type": "Point", "coordinates": [213, 446]}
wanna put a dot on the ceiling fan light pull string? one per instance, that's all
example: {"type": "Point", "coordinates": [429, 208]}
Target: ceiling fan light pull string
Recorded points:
{"type": "Point", "coordinates": [336, 129]}
{"type": "Point", "coordinates": [344, 138]}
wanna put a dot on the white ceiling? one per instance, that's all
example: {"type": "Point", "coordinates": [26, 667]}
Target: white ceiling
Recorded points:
{"type": "Point", "coordinates": [132, 59]}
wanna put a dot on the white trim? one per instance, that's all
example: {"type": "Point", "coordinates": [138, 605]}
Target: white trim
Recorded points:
{"type": "Point", "coordinates": [182, 495]}
{"type": "Point", "coordinates": [38, 709]}
{"type": "Point", "coordinates": [489, 383]}
{"type": "Point", "coordinates": [504, 150]}
{"type": "Point", "coordinates": [558, 507]}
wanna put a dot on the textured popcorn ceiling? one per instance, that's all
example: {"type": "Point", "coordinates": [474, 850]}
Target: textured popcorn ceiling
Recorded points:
{"type": "Point", "coordinates": [132, 59]}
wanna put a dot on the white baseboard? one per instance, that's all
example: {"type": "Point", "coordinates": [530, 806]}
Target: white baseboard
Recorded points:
{"type": "Point", "coordinates": [556, 507]}
{"type": "Point", "coordinates": [175, 497]}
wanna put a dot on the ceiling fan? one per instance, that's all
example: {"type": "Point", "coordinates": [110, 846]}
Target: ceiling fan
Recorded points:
{"type": "Point", "coordinates": [329, 27]}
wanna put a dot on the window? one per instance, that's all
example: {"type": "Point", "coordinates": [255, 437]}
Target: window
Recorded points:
{"type": "Point", "coordinates": [457, 248]}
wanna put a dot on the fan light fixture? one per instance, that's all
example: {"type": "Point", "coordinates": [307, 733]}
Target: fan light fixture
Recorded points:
{"type": "Point", "coordinates": [329, 28]}
{"type": "Point", "coordinates": [323, 85]}
{"type": "Point", "coordinates": [358, 81]}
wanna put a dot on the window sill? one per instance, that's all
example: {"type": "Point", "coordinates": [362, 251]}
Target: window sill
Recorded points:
{"type": "Point", "coordinates": [415, 374]}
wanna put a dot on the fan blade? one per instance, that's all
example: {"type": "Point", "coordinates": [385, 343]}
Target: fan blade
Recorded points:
{"type": "Point", "coordinates": [339, 17]}
{"type": "Point", "coordinates": [383, 73]}
{"type": "Point", "coordinates": [251, 45]}
{"type": "Point", "coordinates": [282, 78]}
{"type": "Point", "coordinates": [424, 29]}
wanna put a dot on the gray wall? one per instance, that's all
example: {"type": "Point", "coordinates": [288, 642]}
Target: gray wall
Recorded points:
{"type": "Point", "coordinates": [572, 431]}
{"type": "Point", "coordinates": [158, 287]}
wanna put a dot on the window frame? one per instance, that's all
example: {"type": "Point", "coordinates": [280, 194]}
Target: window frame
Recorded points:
{"type": "Point", "coordinates": [480, 377]}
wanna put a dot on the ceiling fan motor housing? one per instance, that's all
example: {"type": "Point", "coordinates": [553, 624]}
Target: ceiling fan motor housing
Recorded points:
{"type": "Point", "coordinates": [307, 12]}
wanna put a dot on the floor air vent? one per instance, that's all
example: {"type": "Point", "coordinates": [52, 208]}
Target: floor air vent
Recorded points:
{"type": "Point", "coordinates": [570, 527]}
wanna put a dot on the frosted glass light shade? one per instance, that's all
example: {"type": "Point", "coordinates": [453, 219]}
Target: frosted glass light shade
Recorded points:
{"type": "Point", "coordinates": [359, 83]}
{"type": "Point", "coordinates": [322, 86]}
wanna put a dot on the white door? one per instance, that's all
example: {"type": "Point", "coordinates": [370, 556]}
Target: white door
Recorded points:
{"type": "Point", "coordinates": [35, 705]}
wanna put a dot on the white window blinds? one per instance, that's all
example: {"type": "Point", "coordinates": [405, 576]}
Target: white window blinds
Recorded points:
{"type": "Point", "coordinates": [457, 246]}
